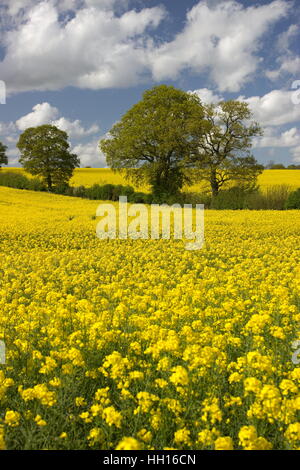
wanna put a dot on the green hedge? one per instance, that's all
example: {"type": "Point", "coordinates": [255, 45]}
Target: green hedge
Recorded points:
{"type": "Point", "coordinates": [277, 197]}
{"type": "Point", "coordinates": [293, 201]}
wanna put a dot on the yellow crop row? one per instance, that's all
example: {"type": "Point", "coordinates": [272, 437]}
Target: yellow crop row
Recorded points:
{"type": "Point", "coordinates": [90, 176]}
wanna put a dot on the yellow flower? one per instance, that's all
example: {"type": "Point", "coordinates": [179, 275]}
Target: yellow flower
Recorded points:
{"type": "Point", "coordinates": [39, 421]}
{"type": "Point", "coordinates": [12, 418]}
{"type": "Point", "coordinates": [250, 441]}
{"type": "Point", "coordinates": [129, 443]}
{"type": "Point", "coordinates": [112, 416]}
{"type": "Point", "coordinates": [80, 401]}
{"type": "Point", "coordinates": [182, 436]}
{"type": "Point", "coordinates": [86, 417]}
{"type": "Point", "coordinates": [293, 432]}
{"type": "Point", "coordinates": [95, 435]}
{"type": "Point", "coordinates": [179, 376]}
{"type": "Point", "coordinates": [144, 435]}
{"type": "Point", "coordinates": [252, 384]}
{"type": "Point", "coordinates": [224, 443]}
{"type": "Point", "coordinates": [2, 440]}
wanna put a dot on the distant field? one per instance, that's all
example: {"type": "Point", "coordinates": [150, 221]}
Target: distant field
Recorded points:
{"type": "Point", "coordinates": [90, 176]}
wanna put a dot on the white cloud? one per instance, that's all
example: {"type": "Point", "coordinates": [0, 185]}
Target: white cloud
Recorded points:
{"type": "Point", "coordinates": [94, 49]}
{"type": "Point", "coordinates": [288, 62]}
{"type": "Point", "coordinates": [7, 128]}
{"type": "Point", "coordinates": [274, 109]}
{"type": "Point", "coordinates": [14, 6]}
{"type": "Point", "coordinates": [289, 65]}
{"type": "Point", "coordinates": [97, 48]}
{"type": "Point", "coordinates": [271, 138]}
{"type": "Point", "coordinates": [222, 39]}
{"type": "Point", "coordinates": [207, 96]}
{"type": "Point", "coordinates": [44, 113]}
{"type": "Point", "coordinates": [90, 154]}
{"type": "Point", "coordinates": [74, 128]}
{"type": "Point", "coordinates": [296, 154]}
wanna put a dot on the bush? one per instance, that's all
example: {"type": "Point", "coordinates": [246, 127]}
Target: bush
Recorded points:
{"type": "Point", "coordinates": [19, 181]}
{"type": "Point", "coordinates": [100, 192]}
{"type": "Point", "coordinates": [233, 198]}
{"type": "Point", "coordinates": [35, 184]}
{"type": "Point", "coordinates": [274, 198]}
{"type": "Point", "coordinates": [119, 190]}
{"type": "Point", "coordinates": [62, 188]}
{"type": "Point", "coordinates": [140, 198]}
{"type": "Point", "coordinates": [78, 191]}
{"type": "Point", "coordinates": [293, 201]}
{"type": "Point", "coordinates": [197, 198]}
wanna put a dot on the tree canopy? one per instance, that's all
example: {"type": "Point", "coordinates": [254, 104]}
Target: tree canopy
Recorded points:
{"type": "Point", "coordinates": [45, 152]}
{"type": "Point", "coordinates": [3, 156]}
{"type": "Point", "coordinates": [154, 138]}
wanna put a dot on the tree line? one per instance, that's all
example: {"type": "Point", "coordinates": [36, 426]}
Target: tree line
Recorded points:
{"type": "Point", "coordinates": [168, 140]}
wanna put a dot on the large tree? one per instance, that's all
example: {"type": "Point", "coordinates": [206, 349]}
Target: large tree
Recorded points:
{"type": "Point", "coordinates": [3, 156]}
{"type": "Point", "coordinates": [224, 150]}
{"type": "Point", "coordinates": [45, 152]}
{"type": "Point", "coordinates": [154, 138]}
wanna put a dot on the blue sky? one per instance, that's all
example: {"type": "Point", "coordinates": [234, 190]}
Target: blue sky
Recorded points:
{"type": "Point", "coordinates": [80, 64]}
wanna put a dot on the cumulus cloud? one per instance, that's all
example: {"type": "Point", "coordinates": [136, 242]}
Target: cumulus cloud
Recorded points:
{"type": "Point", "coordinates": [222, 40]}
{"type": "Point", "coordinates": [275, 108]}
{"type": "Point", "coordinates": [91, 50]}
{"type": "Point", "coordinates": [288, 62]}
{"type": "Point", "coordinates": [207, 96]}
{"type": "Point", "coordinates": [271, 138]}
{"type": "Point", "coordinates": [94, 46]}
{"type": "Point", "coordinates": [90, 154]}
{"type": "Point", "coordinates": [44, 113]}
{"type": "Point", "coordinates": [296, 154]}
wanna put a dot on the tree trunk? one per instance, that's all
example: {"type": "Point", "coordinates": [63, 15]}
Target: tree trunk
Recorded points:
{"type": "Point", "coordinates": [214, 183]}
{"type": "Point", "coordinates": [49, 181]}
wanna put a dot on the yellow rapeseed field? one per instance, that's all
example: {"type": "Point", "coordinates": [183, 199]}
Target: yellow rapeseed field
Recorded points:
{"type": "Point", "coordinates": [123, 344]}
{"type": "Point", "coordinates": [90, 176]}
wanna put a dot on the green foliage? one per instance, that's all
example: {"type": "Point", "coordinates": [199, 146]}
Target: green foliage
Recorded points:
{"type": "Point", "coordinates": [155, 137]}
{"type": "Point", "coordinates": [273, 198]}
{"type": "Point", "coordinates": [234, 198]}
{"type": "Point", "coordinates": [277, 166]}
{"type": "Point", "coordinates": [61, 188]}
{"type": "Point", "coordinates": [224, 149]}
{"type": "Point", "coordinates": [18, 181]}
{"type": "Point", "coordinates": [293, 167]}
{"type": "Point", "coordinates": [45, 152]}
{"type": "Point", "coordinates": [140, 198]}
{"type": "Point", "coordinates": [3, 156]}
{"type": "Point", "coordinates": [79, 191]}
{"type": "Point", "coordinates": [293, 201]}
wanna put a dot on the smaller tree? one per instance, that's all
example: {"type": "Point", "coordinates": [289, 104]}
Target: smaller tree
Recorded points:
{"type": "Point", "coordinates": [3, 156]}
{"type": "Point", "coordinates": [224, 150]}
{"type": "Point", "coordinates": [45, 152]}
